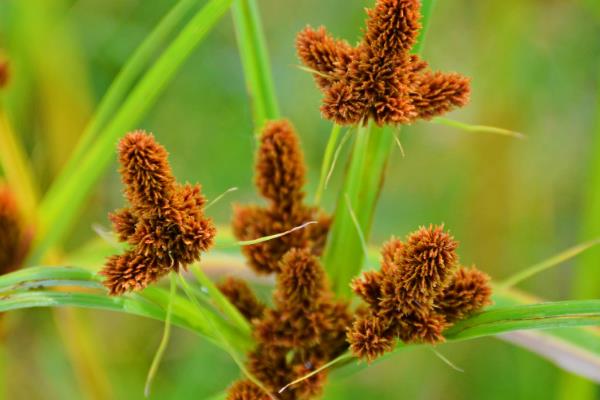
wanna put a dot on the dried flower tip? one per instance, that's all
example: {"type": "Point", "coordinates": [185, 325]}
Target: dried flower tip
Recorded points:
{"type": "Point", "coordinates": [131, 271]}
{"type": "Point", "coordinates": [145, 170]}
{"type": "Point", "coordinates": [242, 297]}
{"type": "Point", "coordinates": [368, 287]}
{"type": "Point", "coordinates": [370, 338]}
{"type": "Point", "coordinates": [246, 390]}
{"type": "Point", "coordinates": [428, 262]}
{"type": "Point", "coordinates": [439, 93]}
{"type": "Point", "coordinates": [280, 166]}
{"type": "Point", "coordinates": [391, 256]}
{"type": "Point", "coordinates": [393, 26]}
{"type": "Point", "coordinates": [469, 291]}
{"type": "Point", "coordinates": [300, 282]}
{"type": "Point", "coordinates": [320, 52]}
{"type": "Point", "coordinates": [14, 241]}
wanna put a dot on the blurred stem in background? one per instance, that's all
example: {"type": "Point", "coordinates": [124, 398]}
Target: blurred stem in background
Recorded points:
{"type": "Point", "coordinates": [344, 254]}
{"type": "Point", "coordinates": [586, 283]}
{"type": "Point", "coordinates": [255, 61]}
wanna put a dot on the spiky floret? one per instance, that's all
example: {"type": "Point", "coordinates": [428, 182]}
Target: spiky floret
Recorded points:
{"type": "Point", "coordinates": [468, 291]}
{"type": "Point", "coordinates": [371, 337]}
{"type": "Point", "coordinates": [242, 297]}
{"type": "Point", "coordinates": [164, 223]}
{"type": "Point", "coordinates": [428, 262]}
{"type": "Point", "coordinates": [379, 79]}
{"type": "Point", "coordinates": [14, 239]}
{"type": "Point", "coordinates": [301, 281]}
{"type": "Point", "coordinates": [280, 166]}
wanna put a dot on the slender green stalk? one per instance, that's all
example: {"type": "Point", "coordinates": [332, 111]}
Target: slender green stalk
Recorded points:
{"type": "Point", "coordinates": [255, 61]}
{"type": "Point", "coordinates": [344, 254]}
{"type": "Point", "coordinates": [222, 302]}
{"type": "Point", "coordinates": [549, 263]}
{"type": "Point", "coordinates": [478, 128]}
{"type": "Point", "coordinates": [327, 160]}
{"type": "Point", "coordinates": [343, 257]}
{"type": "Point", "coordinates": [59, 211]}
{"type": "Point", "coordinates": [164, 341]}
{"type": "Point", "coordinates": [123, 82]}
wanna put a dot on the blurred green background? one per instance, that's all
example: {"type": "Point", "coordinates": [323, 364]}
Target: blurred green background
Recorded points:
{"type": "Point", "coordinates": [535, 67]}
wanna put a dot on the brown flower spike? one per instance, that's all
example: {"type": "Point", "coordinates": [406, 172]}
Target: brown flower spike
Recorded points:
{"type": "Point", "coordinates": [164, 224]}
{"type": "Point", "coordinates": [14, 239]}
{"type": "Point", "coordinates": [304, 330]}
{"type": "Point", "coordinates": [4, 72]}
{"type": "Point", "coordinates": [379, 79]}
{"type": "Point", "coordinates": [418, 293]}
{"type": "Point", "coordinates": [280, 177]}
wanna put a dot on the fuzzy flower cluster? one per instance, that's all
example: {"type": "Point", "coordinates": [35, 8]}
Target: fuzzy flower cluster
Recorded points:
{"type": "Point", "coordinates": [280, 178]}
{"type": "Point", "coordinates": [379, 78]}
{"type": "Point", "coordinates": [419, 291]}
{"type": "Point", "coordinates": [305, 327]}
{"type": "Point", "coordinates": [164, 224]}
{"type": "Point", "coordinates": [14, 238]}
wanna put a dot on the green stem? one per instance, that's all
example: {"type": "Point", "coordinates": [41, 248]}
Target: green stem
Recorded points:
{"type": "Point", "coordinates": [255, 61]}
{"type": "Point", "coordinates": [344, 256]}
{"type": "Point", "coordinates": [327, 159]}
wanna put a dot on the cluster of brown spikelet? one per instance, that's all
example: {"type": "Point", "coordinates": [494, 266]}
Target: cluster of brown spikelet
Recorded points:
{"type": "Point", "coordinates": [280, 179]}
{"type": "Point", "coordinates": [14, 238]}
{"type": "Point", "coordinates": [164, 224]}
{"type": "Point", "coordinates": [379, 79]}
{"type": "Point", "coordinates": [419, 292]}
{"type": "Point", "coordinates": [4, 72]}
{"type": "Point", "coordinates": [306, 327]}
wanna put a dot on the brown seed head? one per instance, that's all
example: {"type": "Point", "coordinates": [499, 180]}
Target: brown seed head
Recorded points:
{"type": "Point", "coordinates": [370, 338]}
{"type": "Point", "coordinates": [301, 281]}
{"type": "Point", "coordinates": [242, 297]}
{"type": "Point", "coordinates": [368, 287]}
{"type": "Point", "coordinates": [131, 271]}
{"type": "Point", "coordinates": [421, 328]}
{"type": "Point", "coordinates": [145, 170]}
{"type": "Point", "coordinates": [280, 165]}
{"type": "Point", "coordinates": [469, 291]}
{"type": "Point", "coordinates": [439, 93]}
{"type": "Point", "coordinates": [393, 26]}
{"type": "Point", "coordinates": [428, 262]}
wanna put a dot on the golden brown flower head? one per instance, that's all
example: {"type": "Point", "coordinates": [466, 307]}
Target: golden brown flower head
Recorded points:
{"type": "Point", "coordinates": [14, 240]}
{"type": "Point", "coordinates": [368, 287]}
{"type": "Point", "coordinates": [145, 171]}
{"type": "Point", "coordinates": [242, 297]}
{"type": "Point", "coordinates": [428, 262]}
{"type": "Point", "coordinates": [469, 291]}
{"type": "Point", "coordinates": [4, 72]}
{"type": "Point", "coordinates": [165, 223]}
{"type": "Point", "coordinates": [279, 177]}
{"type": "Point", "coordinates": [280, 166]}
{"type": "Point", "coordinates": [131, 271]}
{"type": "Point", "coordinates": [370, 338]}
{"type": "Point", "coordinates": [379, 79]}
{"type": "Point", "coordinates": [246, 390]}
{"type": "Point", "coordinates": [300, 282]}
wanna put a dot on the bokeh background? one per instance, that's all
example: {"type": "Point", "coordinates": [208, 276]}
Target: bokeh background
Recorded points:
{"type": "Point", "coordinates": [535, 66]}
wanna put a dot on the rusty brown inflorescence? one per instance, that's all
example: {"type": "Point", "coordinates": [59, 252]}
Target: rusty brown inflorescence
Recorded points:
{"type": "Point", "coordinates": [280, 178]}
{"type": "Point", "coordinates": [306, 326]}
{"type": "Point", "coordinates": [380, 79]}
{"type": "Point", "coordinates": [420, 291]}
{"type": "Point", "coordinates": [4, 72]}
{"type": "Point", "coordinates": [164, 224]}
{"type": "Point", "coordinates": [14, 238]}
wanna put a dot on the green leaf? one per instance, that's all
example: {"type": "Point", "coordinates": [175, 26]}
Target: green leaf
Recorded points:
{"type": "Point", "coordinates": [478, 128]}
{"type": "Point", "coordinates": [255, 61]}
{"type": "Point", "coordinates": [59, 211]}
